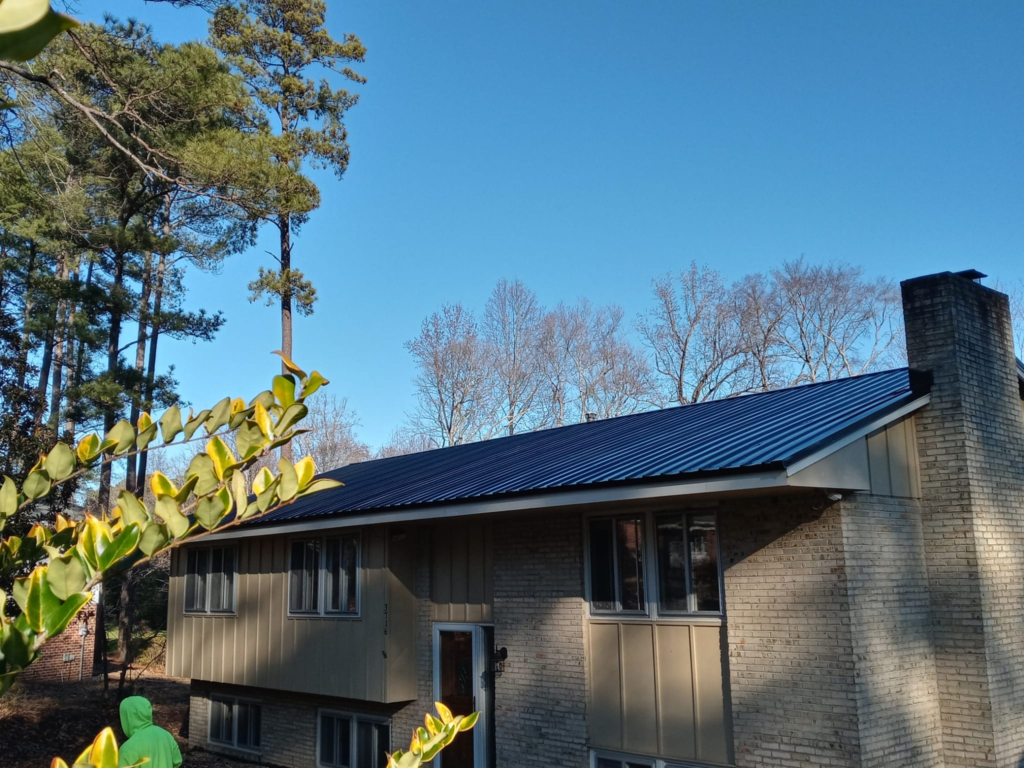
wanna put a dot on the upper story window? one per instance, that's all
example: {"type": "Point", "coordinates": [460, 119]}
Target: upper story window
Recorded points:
{"type": "Point", "coordinates": [324, 578]}
{"type": "Point", "coordinates": [685, 566]}
{"type": "Point", "coordinates": [210, 580]}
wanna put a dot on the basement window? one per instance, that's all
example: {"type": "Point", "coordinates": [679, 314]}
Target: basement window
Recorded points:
{"type": "Point", "coordinates": [210, 580]}
{"type": "Point", "coordinates": [324, 576]}
{"type": "Point", "coordinates": [352, 741]}
{"type": "Point", "coordinates": [235, 722]}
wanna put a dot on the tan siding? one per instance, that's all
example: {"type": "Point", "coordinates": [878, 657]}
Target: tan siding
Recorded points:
{"type": "Point", "coordinates": [899, 458]}
{"type": "Point", "coordinates": [675, 691]}
{"type": "Point", "coordinates": [462, 568]}
{"type": "Point", "coordinates": [261, 646]}
{"type": "Point", "coordinates": [402, 616]}
{"type": "Point", "coordinates": [657, 689]}
{"type": "Point", "coordinates": [878, 457]}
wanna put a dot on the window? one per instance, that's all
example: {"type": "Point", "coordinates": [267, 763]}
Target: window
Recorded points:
{"type": "Point", "coordinates": [610, 760]}
{"type": "Point", "coordinates": [617, 565]}
{"type": "Point", "coordinates": [210, 580]}
{"type": "Point", "coordinates": [688, 569]}
{"type": "Point", "coordinates": [324, 576]}
{"type": "Point", "coordinates": [353, 741]}
{"type": "Point", "coordinates": [235, 722]}
{"type": "Point", "coordinates": [686, 573]}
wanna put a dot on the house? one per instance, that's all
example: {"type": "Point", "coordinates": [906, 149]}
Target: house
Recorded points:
{"type": "Point", "coordinates": [828, 575]}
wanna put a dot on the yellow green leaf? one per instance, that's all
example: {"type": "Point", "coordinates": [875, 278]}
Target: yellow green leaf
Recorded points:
{"type": "Point", "coordinates": [120, 547]}
{"type": "Point", "coordinates": [147, 431]}
{"type": "Point", "coordinates": [88, 448]}
{"type": "Point", "coordinates": [183, 493]}
{"type": "Point", "coordinates": [161, 485]}
{"type": "Point", "coordinates": [132, 510]}
{"type": "Point", "coordinates": [261, 481]}
{"type": "Point", "coordinates": [289, 485]}
{"type": "Point", "coordinates": [313, 383]}
{"type": "Point", "coordinates": [289, 365]}
{"type": "Point", "coordinates": [8, 498]}
{"type": "Point", "coordinates": [212, 509]}
{"type": "Point", "coordinates": [284, 390]}
{"type": "Point", "coordinates": [320, 484]}
{"type": "Point", "coordinates": [262, 418]}
{"type": "Point", "coordinates": [37, 484]}
{"type": "Point", "coordinates": [468, 722]}
{"type": "Point", "coordinates": [305, 469]}
{"type": "Point", "coordinates": [202, 467]}
{"type": "Point", "coordinates": [221, 456]}
{"type": "Point", "coordinates": [103, 753]}
{"type": "Point", "coordinates": [444, 712]}
{"type": "Point", "coordinates": [154, 538]}
{"type": "Point", "coordinates": [292, 415]}
{"type": "Point", "coordinates": [219, 416]}
{"type": "Point", "coordinates": [60, 462]}
{"type": "Point", "coordinates": [194, 423]}
{"type": "Point", "coordinates": [239, 492]}
{"type": "Point", "coordinates": [60, 614]}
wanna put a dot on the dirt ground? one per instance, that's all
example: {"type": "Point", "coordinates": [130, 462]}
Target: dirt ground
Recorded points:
{"type": "Point", "coordinates": [40, 721]}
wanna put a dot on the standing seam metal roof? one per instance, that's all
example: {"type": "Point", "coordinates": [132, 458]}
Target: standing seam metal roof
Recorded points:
{"type": "Point", "coordinates": [740, 434]}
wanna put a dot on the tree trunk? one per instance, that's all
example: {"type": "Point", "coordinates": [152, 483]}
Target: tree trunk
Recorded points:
{"type": "Point", "coordinates": [60, 344]}
{"type": "Point", "coordinates": [44, 375]}
{"type": "Point", "coordinates": [126, 619]}
{"type": "Point", "coordinates": [76, 373]}
{"type": "Point", "coordinates": [26, 322]}
{"type": "Point", "coordinates": [131, 474]}
{"type": "Point", "coordinates": [154, 336]}
{"type": "Point", "coordinates": [113, 345]}
{"type": "Point", "coordinates": [285, 224]}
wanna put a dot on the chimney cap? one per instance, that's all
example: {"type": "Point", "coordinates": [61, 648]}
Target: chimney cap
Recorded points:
{"type": "Point", "coordinates": [971, 274]}
{"type": "Point", "coordinates": [590, 416]}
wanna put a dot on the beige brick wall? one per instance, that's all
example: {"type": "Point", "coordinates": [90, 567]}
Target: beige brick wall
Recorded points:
{"type": "Point", "coordinates": [891, 633]}
{"type": "Point", "coordinates": [790, 650]}
{"type": "Point", "coordinates": [971, 443]}
{"type": "Point", "coordinates": [539, 612]}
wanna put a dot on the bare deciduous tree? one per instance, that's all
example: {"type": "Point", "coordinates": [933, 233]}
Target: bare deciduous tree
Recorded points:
{"type": "Point", "coordinates": [512, 331]}
{"type": "Point", "coordinates": [454, 392]}
{"type": "Point", "coordinates": [695, 335]}
{"type": "Point", "coordinates": [332, 443]}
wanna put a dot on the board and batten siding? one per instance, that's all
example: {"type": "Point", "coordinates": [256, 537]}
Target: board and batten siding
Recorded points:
{"type": "Point", "coordinates": [260, 645]}
{"type": "Point", "coordinates": [656, 688]}
{"type": "Point", "coordinates": [462, 572]}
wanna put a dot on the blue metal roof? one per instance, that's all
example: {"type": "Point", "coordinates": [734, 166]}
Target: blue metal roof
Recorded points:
{"type": "Point", "coordinates": [740, 434]}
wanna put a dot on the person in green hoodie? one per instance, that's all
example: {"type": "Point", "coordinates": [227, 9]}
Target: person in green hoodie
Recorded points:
{"type": "Point", "coordinates": [144, 738]}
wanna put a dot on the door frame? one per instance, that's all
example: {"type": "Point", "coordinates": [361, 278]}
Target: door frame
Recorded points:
{"type": "Point", "coordinates": [482, 730]}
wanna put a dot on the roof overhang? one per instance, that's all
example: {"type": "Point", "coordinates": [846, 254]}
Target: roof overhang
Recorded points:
{"type": "Point", "coordinates": [788, 477]}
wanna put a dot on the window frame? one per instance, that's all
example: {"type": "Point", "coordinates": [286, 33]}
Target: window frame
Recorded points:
{"type": "Point", "coordinates": [646, 760]}
{"type": "Point", "coordinates": [354, 718]}
{"type": "Point", "coordinates": [645, 611]}
{"type": "Point", "coordinates": [234, 701]}
{"type": "Point", "coordinates": [652, 583]}
{"type": "Point", "coordinates": [205, 610]}
{"type": "Point", "coordinates": [322, 612]}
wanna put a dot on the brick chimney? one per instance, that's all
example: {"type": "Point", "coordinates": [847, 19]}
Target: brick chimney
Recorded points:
{"type": "Point", "coordinates": [971, 447]}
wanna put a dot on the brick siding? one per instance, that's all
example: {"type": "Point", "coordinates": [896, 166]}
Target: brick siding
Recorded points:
{"type": "Point", "coordinates": [540, 698]}
{"type": "Point", "coordinates": [51, 666]}
{"type": "Point", "coordinates": [971, 444]}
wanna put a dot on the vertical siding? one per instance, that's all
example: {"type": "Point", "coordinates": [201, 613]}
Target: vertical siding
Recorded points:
{"type": "Point", "coordinates": [892, 456]}
{"type": "Point", "coordinates": [462, 572]}
{"type": "Point", "coordinates": [658, 689]}
{"type": "Point", "coordinates": [262, 646]}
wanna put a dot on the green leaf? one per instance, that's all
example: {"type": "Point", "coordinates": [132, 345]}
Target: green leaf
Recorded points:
{"type": "Point", "coordinates": [289, 365]}
{"type": "Point", "coordinates": [264, 398]}
{"type": "Point", "coordinates": [37, 484]}
{"type": "Point", "coordinates": [289, 485]}
{"type": "Point", "coordinates": [266, 498]}
{"type": "Point", "coordinates": [16, 647]}
{"type": "Point", "coordinates": [170, 424]}
{"type": "Point", "coordinates": [248, 440]}
{"type": "Point", "coordinates": [123, 433]}
{"type": "Point", "coordinates": [284, 390]}
{"type": "Point", "coordinates": [161, 485]}
{"type": "Point", "coordinates": [66, 575]}
{"type": "Point", "coordinates": [183, 493]}
{"type": "Point", "coordinates": [132, 510]}
{"type": "Point", "coordinates": [292, 415]}
{"type": "Point", "coordinates": [146, 436]}
{"type": "Point", "coordinates": [211, 510]}
{"type": "Point", "coordinates": [238, 491]}
{"type": "Point", "coordinates": [154, 538]}
{"type": "Point", "coordinates": [201, 467]}
{"type": "Point", "coordinates": [27, 27]}
{"type": "Point", "coordinates": [305, 469]}
{"type": "Point", "coordinates": [38, 598]}
{"type": "Point", "coordinates": [59, 616]}
{"type": "Point", "coordinates": [168, 511]}
{"type": "Point", "coordinates": [313, 383]}
{"type": "Point", "coordinates": [103, 752]}
{"type": "Point", "coordinates": [219, 416]}
{"type": "Point", "coordinates": [60, 462]}
{"type": "Point", "coordinates": [468, 722]}
{"type": "Point", "coordinates": [120, 547]}
{"type": "Point", "coordinates": [194, 423]}
{"type": "Point", "coordinates": [8, 498]}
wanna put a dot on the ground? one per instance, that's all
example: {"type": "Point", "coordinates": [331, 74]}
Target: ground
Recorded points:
{"type": "Point", "coordinates": [42, 720]}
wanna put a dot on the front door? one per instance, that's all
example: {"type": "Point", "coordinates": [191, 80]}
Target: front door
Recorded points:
{"type": "Point", "coordinates": [463, 683]}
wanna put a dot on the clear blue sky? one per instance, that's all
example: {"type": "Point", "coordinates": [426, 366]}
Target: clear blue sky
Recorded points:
{"type": "Point", "coordinates": [586, 146]}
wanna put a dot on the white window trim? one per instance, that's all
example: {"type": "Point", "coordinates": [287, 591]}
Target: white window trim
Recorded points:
{"type": "Point", "coordinates": [209, 583]}
{"type": "Point", "coordinates": [321, 612]}
{"type": "Point", "coordinates": [233, 744]}
{"type": "Point", "coordinates": [356, 718]}
{"type": "Point", "coordinates": [652, 592]}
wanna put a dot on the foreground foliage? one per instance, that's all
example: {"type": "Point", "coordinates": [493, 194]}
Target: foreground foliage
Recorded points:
{"type": "Point", "coordinates": [68, 558]}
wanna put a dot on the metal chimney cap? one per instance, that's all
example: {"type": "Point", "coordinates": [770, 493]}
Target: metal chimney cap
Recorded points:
{"type": "Point", "coordinates": [971, 274]}
{"type": "Point", "coordinates": [590, 416]}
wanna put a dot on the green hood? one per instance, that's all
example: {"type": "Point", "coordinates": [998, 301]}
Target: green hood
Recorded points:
{"type": "Point", "coordinates": [136, 714]}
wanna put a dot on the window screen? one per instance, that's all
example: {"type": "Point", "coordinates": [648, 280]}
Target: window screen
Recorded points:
{"type": "Point", "coordinates": [617, 565]}
{"type": "Point", "coordinates": [342, 555]}
{"type": "Point", "coordinates": [304, 591]}
{"type": "Point", "coordinates": [688, 568]}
